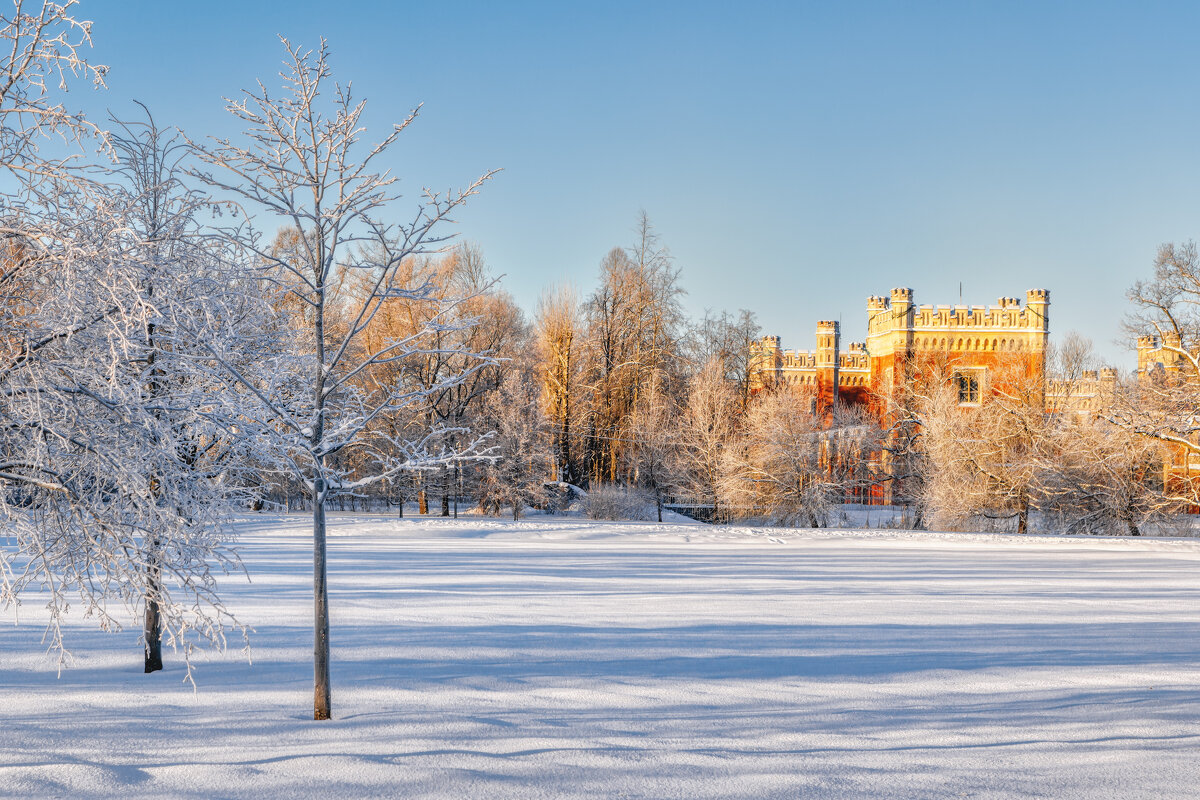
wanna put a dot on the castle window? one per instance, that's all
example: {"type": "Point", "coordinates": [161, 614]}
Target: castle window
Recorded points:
{"type": "Point", "coordinates": [968, 387]}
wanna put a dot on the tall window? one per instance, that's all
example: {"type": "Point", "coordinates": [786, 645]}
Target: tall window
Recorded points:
{"type": "Point", "coordinates": [968, 387]}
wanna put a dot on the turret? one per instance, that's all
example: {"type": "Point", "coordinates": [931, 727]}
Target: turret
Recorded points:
{"type": "Point", "coordinates": [828, 344]}
{"type": "Point", "coordinates": [1038, 301]}
{"type": "Point", "coordinates": [766, 358]}
{"type": "Point", "coordinates": [1147, 352]}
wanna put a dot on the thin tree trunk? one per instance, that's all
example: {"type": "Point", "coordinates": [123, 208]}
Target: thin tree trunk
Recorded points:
{"type": "Point", "coordinates": [322, 700]}
{"type": "Point", "coordinates": [152, 624]}
{"type": "Point", "coordinates": [445, 491]}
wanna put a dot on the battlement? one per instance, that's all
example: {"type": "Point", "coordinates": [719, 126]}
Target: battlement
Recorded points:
{"type": "Point", "coordinates": [1147, 343]}
{"type": "Point", "coordinates": [828, 326]}
{"type": "Point", "coordinates": [1085, 395]}
{"type": "Point", "coordinates": [1008, 314]}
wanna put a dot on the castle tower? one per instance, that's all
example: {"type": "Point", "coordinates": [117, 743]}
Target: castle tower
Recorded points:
{"type": "Point", "coordinates": [1148, 353]}
{"type": "Point", "coordinates": [828, 358]}
{"type": "Point", "coordinates": [1108, 381]}
{"type": "Point", "coordinates": [1038, 303]}
{"type": "Point", "coordinates": [902, 304]}
{"type": "Point", "coordinates": [766, 360]}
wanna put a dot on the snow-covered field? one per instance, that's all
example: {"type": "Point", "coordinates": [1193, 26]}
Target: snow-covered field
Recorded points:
{"type": "Point", "coordinates": [561, 658]}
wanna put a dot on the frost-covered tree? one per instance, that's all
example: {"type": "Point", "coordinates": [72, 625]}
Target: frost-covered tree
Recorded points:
{"type": "Point", "coordinates": [43, 49]}
{"type": "Point", "coordinates": [706, 428]}
{"type": "Point", "coordinates": [634, 327]}
{"type": "Point", "coordinates": [1162, 404]}
{"type": "Point", "coordinates": [1098, 478]}
{"type": "Point", "coordinates": [520, 451]}
{"type": "Point", "coordinates": [730, 340]}
{"type": "Point", "coordinates": [301, 162]}
{"type": "Point", "coordinates": [89, 477]}
{"type": "Point", "coordinates": [559, 343]}
{"type": "Point", "coordinates": [653, 443]}
{"type": "Point", "coordinates": [981, 461]}
{"type": "Point", "coordinates": [186, 292]}
{"type": "Point", "coordinates": [787, 465]}
{"type": "Point", "coordinates": [121, 437]}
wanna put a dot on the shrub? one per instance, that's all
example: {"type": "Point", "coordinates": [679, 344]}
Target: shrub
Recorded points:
{"type": "Point", "coordinates": [608, 501]}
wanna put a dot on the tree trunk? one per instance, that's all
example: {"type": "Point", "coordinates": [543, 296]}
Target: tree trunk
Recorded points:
{"type": "Point", "coordinates": [152, 625]}
{"type": "Point", "coordinates": [445, 491]}
{"type": "Point", "coordinates": [422, 499]}
{"type": "Point", "coordinates": [322, 702]}
{"type": "Point", "coordinates": [1023, 518]}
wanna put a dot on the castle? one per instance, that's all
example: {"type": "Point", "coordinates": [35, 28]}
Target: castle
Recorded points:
{"type": "Point", "coordinates": [976, 347]}
{"type": "Point", "coordinates": [906, 341]}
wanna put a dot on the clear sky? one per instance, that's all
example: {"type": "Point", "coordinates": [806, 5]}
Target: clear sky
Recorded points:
{"type": "Point", "coordinates": [795, 157]}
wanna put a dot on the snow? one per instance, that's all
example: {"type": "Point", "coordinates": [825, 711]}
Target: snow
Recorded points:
{"type": "Point", "coordinates": [566, 658]}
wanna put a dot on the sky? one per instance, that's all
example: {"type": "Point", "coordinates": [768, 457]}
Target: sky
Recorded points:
{"type": "Point", "coordinates": [795, 157]}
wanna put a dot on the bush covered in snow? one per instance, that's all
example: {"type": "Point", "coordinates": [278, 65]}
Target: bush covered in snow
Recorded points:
{"type": "Point", "coordinates": [608, 501]}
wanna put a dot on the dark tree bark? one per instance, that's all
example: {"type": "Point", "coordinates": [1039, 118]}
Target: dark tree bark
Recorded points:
{"type": "Point", "coordinates": [322, 696]}
{"type": "Point", "coordinates": [152, 624]}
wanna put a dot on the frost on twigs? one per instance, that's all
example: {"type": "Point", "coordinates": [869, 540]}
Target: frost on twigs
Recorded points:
{"type": "Point", "coordinates": [340, 412]}
{"type": "Point", "coordinates": [42, 50]}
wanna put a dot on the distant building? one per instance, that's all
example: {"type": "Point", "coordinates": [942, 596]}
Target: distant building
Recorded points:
{"type": "Point", "coordinates": [906, 342]}
{"type": "Point", "coordinates": [906, 345]}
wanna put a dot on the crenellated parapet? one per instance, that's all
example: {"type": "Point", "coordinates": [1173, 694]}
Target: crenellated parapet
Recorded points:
{"type": "Point", "coordinates": [1161, 351]}
{"type": "Point", "coordinates": [1091, 393]}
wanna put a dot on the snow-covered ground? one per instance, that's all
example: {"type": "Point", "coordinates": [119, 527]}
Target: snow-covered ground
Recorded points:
{"type": "Point", "coordinates": [562, 658]}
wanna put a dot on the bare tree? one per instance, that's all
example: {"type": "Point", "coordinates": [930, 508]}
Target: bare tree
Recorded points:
{"type": "Point", "coordinates": [729, 339]}
{"type": "Point", "coordinates": [980, 458]}
{"type": "Point", "coordinates": [791, 465]}
{"type": "Point", "coordinates": [42, 42]}
{"type": "Point", "coordinates": [303, 162]}
{"type": "Point", "coordinates": [705, 430]}
{"type": "Point", "coordinates": [93, 424]}
{"type": "Point", "coordinates": [560, 342]}
{"type": "Point", "coordinates": [1162, 403]}
{"type": "Point", "coordinates": [634, 323]}
{"type": "Point", "coordinates": [521, 461]}
{"type": "Point", "coordinates": [1098, 478]}
{"type": "Point", "coordinates": [654, 439]}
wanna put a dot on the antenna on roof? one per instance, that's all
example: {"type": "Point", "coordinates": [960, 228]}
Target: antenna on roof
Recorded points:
{"type": "Point", "coordinates": [960, 293]}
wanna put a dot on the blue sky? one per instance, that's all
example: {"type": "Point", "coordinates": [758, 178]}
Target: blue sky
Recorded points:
{"type": "Point", "coordinates": [795, 157]}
